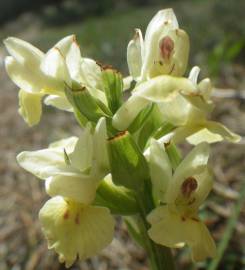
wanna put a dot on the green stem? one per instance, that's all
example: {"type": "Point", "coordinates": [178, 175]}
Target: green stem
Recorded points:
{"type": "Point", "coordinates": [160, 257]}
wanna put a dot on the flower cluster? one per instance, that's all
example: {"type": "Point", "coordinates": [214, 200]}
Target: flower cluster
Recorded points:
{"type": "Point", "coordinates": [126, 160]}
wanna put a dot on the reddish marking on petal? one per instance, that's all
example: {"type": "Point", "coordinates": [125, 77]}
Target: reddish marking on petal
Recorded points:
{"type": "Point", "coordinates": [77, 219]}
{"type": "Point", "coordinates": [172, 69]}
{"type": "Point", "coordinates": [188, 186]}
{"type": "Point", "coordinates": [166, 47]}
{"type": "Point", "coordinates": [74, 39]}
{"type": "Point", "coordinates": [118, 135]}
{"type": "Point", "coordinates": [191, 201]}
{"type": "Point", "coordinates": [136, 34]}
{"type": "Point", "coordinates": [195, 219]}
{"type": "Point", "coordinates": [166, 144]}
{"type": "Point", "coordinates": [66, 214]}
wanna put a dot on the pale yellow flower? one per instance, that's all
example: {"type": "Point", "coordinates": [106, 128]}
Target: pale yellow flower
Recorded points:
{"type": "Point", "coordinates": [164, 50]}
{"type": "Point", "coordinates": [72, 169]}
{"type": "Point", "coordinates": [181, 194]}
{"type": "Point", "coordinates": [75, 230]}
{"type": "Point", "coordinates": [182, 102]}
{"type": "Point", "coordinates": [38, 74]}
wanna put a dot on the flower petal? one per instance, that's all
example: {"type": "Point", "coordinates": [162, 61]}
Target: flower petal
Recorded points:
{"type": "Point", "coordinates": [128, 112]}
{"type": "Point", "coordinates": [73, 60]}
{"type": "Point", "coordinates": [54, 66]}
{"type": "Point", "coordinates": [163, 88]}
{"type": "Point", "coordinates": [47, 162]}
{"type": "Point", "coordinates": [223, 131]}
{"type": "Point", "coordinates": [78, 187]}
{"type": "Point", "coordinates": [68, 144]}
{"type": "Point", "coordinates": [194, 73]}
{"type": "Point", "coordinates": [81, 157]}
{"type": "Point", "coordinates": [91, 74]}
{"type": "Point", "coordinates": [170, 229]}
{"type": "Point", "coordinates": [64, 44]}
{"type": "Point", "coordinates": [24, 52]}
{"type": "Point", "coordinates": [58, 102]}
{"type": "Point", "coordinates": [160, 169]}
{"type": "Point", "coordinates": [75, 230]}
{"type": "Point", "coordinates": [176, 111]}
{"type": "Point", "coordinates": [30, 107]}
{"type": "Point", "coordinates": [161, 23]}
{"type": "Point", "coordinates": [22, 77]}
{"type": "Point", "coordinates": [100, 155]}
{"type": "Point", "coordinates": [135, 54]}
{"type": "Point", "coordinates": [194, 164]}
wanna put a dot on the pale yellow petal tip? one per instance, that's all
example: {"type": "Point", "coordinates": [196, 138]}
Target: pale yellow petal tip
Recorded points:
{"type": "Point", "coordinates": [9, 40]}
{"type": "Point", "coordinates": [74, 230]}
{"type": "Point", "coordinates": [30, 107]}
{"type": "Point", "coordinates": [203, 252]}
{"type": "Point", "coordinates": [235, 138]}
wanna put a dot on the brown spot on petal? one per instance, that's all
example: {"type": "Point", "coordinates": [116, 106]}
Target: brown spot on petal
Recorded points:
{"type": "Point", "coordinates": [66, 214]}
{"type": "Point", "coordinates": [118, 135]}
{"type": "Point", "coordinates": [166, 47]}
{"type": "Point", "coordinates": [195, 219]}
{"type": "Point", "coordinates": [166, 144]}
{"type": "Point", "coordinates": [191, 201]}
{"type": "Point", "coordinates": [188, 186]}
{"type": "Point", "coordinates": [74, 39]}
{"type": "Point", "coordinates": [172, 69]}
{"type": "Point", "coordinates": [105, 66]}
{"type": "Point", "coordinates": [136, 34]}
{"type": "Point", "coordinates": [77, 219]}
{"type": "Point", "coordinates": [183, 218]}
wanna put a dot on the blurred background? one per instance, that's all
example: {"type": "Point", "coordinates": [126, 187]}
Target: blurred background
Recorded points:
{"type": "Point", "coordinates": [103, 29]}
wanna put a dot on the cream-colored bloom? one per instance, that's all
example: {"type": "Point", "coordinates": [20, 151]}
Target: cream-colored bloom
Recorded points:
{"type": "Point", "coordinates": [160, 90]}
{"type": "Point", "coordinates": [193, 108]}
{"type": "Point", "coordinates": [38, 74]}
{"type": "Point", "coordinates": [75, 230]}
{"type": "Point", "coordinates": [165, 49]}
{"type": "Point", "coordinates": [182, 102]}
{"type": "Point", "coordinates": [72, 167]}
{"type": "Point", "coordinates": [182, 193]}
